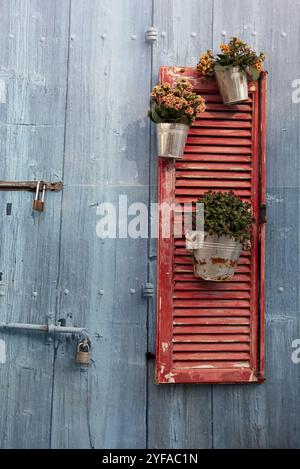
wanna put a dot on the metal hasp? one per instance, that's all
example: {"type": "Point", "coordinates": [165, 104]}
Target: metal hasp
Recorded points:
{"type": "Point", "coordinates": [30, 186]}
{"type": "Point", "coordinates": [37, 186]}
{"type": "Point", "coordinates": [82, 352]}
{"type": "Point", "coordinates": [49, 328]}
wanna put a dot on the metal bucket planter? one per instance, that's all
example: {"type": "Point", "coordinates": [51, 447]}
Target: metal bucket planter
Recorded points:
{"type": "Point", "coordinates": [171, 139]}
{"type": "Point", "coordinates": [217, 257]}
{"type": "Point", "coordinates": [233, 85]}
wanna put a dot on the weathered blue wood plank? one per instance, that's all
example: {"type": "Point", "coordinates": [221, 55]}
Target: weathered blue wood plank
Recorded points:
{"type": "Point", "coordinates": [33, 59]}
{"type": "Point", "coordinates": [178, 416]}
{"type": "Point", "coordinates": [268, 415]}
{"type": "Point", "coordinates": [33, 52]}
{"type": "Point", "coordinates": [107, 145]}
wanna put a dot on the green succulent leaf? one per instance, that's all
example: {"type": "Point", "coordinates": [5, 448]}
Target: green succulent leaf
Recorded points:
{"type": "Point", "coordinates": [254, 73]}
{"type": "Point", "coordinates": [226, 214]}
{"type": "Point", "coordinates": [219, 66]}
{"type": "Point", "coordinates": [154, 115]}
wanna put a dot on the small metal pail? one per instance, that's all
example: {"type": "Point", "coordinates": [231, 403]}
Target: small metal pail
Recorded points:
{"type": "Point", "coordinates": [171, 139]}
{"type": "Point", "coordinates": [217, 258]}
{"type": "Point", "coordinates": [233, 85]}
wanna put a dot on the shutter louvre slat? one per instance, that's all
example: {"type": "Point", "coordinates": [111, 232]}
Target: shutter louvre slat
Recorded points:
{"type": "Point", "coordinates": [213, 338]}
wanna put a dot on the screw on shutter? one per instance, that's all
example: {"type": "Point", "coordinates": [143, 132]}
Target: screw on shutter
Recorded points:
{"type": "Point", "coordinates": [83, 352]}
{"type": "Point", "coordinates": [39, 204]}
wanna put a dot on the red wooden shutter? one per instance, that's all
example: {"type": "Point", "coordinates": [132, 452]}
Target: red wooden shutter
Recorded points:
{"type": "Point", "coordinates": [213, 332]}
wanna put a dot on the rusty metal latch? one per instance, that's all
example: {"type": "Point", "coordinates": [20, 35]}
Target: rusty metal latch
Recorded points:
{"type": "Point", "coordinates": [263, 213]}
{"type": "Point", "coordinates": [30, 186]}
{"type": "Point", "coordinates": [37, 186]}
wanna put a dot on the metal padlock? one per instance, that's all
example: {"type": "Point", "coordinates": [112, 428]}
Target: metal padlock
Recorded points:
{"type": "Point", "coordinates": [83, 352]}
{"type": "Point", "coordinates": [39, 204]}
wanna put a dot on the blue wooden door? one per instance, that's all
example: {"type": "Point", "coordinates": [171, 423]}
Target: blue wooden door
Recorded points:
{"type": "Point", "coordinates": [71, 111]}
{"type": "Point", "coordinates": [75, 77]}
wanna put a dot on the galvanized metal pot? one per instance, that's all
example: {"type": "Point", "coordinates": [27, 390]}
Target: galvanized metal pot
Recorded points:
{"type": "Point", "coordinates": [217, 258]}
{"type": "Point", "coordinates": [171, 139]}
{"type": "Point", "coordinates": [233, 85]}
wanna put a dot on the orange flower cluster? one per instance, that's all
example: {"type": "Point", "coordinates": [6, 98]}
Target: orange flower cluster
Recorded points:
{"type": "Point", "coordinates": [225, 48]}
{"type": "Point", "coordinates": [206, 63]}
{"type": "Point", "coordinates": [258, 65]}
{"type": "Point", "coordinates": [235, 53]}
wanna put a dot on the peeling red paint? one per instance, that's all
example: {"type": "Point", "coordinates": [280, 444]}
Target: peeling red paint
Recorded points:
{"type": "Point", "coordinates": [224, 150]}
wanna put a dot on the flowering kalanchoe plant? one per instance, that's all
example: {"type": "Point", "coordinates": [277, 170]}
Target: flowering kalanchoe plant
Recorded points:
{"type": "Point", "coordinates": [235, 53]}
{"type": "Point", "coordinates": [175, 103]}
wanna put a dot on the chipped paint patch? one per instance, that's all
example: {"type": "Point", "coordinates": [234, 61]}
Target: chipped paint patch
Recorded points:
{"type": "Point", "coordinates": [241, 365]}
{"type": "Point", "coordinates": [2, 352]}
{"type": "Point", "coordinates": [165, 346]}
{"type": "Point", "coordinates": [201, 366]}
{"type": "Point", "coordinates": [284, 232]}
{"type": "Point", "coordinates": [170, 377]}
{"type": "Point", "coordinates": [253, 376]}
{"type": "Point", "coordinates": [272, 198]}
{"type": "Point", "coordinates": [162, 369]}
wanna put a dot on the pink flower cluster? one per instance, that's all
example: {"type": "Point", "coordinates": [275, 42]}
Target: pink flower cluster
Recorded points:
{"type": "Point", "coordinates": [178, 101]}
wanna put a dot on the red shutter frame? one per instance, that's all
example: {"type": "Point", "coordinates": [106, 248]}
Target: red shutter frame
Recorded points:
{"type": "Point", "coordinates": [225, 368]}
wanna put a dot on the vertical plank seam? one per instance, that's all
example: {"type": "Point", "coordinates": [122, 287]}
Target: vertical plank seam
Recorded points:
{"type": "Point", "coordinates": [211, 386]}
{"type": "Point", "coordinates": [61, 216]}
{"type": "Point", "coordinates": [148, 365]}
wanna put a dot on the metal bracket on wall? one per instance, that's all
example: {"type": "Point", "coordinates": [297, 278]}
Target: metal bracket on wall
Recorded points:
{"type": "Point", "coordinates": [148, 290]}
{"type": "Point", "coordinates": [263, 213]}
{"type": "Point", "coordinates": [151, 35]}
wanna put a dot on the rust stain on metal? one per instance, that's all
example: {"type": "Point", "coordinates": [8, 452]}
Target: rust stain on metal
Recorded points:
{"type": "Point", "coordinates": [219, 260]}
{"type": "Point", "coordinates": [202, 262]}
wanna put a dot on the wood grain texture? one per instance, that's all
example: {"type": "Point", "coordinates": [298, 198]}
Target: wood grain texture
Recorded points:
{"type": "Point", "coordinates": [268, 415]}
{"type": "Point", "coordinates": [107, 145]}
{"type": "Point", "coordinates": [32, 137]}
